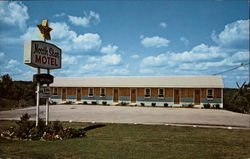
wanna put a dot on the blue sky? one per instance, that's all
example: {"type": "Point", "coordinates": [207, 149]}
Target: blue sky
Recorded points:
{"type": "Point", "coordinates": [131, 38]}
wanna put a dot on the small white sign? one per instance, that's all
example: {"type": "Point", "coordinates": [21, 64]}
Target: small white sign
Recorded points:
{"type": "Point", "coordinates": [41, 54]}
{"type": "Point", "coordinates": [44, 92]}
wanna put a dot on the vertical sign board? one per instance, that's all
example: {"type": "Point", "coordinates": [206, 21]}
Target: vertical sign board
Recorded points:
{"type": "Point", "coordinates": [44, 92]}
{"type": "Point", "coordinates": [41, 54]}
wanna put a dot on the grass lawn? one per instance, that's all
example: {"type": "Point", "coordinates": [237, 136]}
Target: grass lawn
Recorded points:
{"type": "Point", "coordinates": [134, 141]}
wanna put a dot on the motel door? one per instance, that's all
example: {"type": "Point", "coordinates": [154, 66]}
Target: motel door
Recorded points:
{"type": "Point", "coordinates": [176, 96]}
{"type": "Point", "coordinates": [197, 97]}
{"type": "Point", "coordinates": [133, 95]}
{"type": "Point", "coordinates": [115, 95]}
{"type": "Point", "coordinates": [78, 94]}
{"type": "Point", "coordinates": [63, 94]}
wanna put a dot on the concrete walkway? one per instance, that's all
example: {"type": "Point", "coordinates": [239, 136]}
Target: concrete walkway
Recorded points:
{"type": "Point", "coordinates": [138, 115]}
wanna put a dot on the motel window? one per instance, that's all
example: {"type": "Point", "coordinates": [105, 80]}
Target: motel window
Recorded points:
{"type": "Point", "coordinates": [55, 91]}
{"type": "Point", "coordinates": [147, 92]}
{"type": "Point", "coordinates": [91, 92]}
{"type": "Point", "coordinates": [160, 92]}
{"type": "Point", "coordinates": [102, 92]}
{"type": "Point", "coordinates": [210, 93]}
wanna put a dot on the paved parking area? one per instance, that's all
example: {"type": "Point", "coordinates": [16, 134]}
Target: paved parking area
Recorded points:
{"type": "Point", "coordinates": [138, 115]}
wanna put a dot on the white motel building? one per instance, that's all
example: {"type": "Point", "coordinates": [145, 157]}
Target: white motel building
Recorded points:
{"type": "Point", "coordinates": [159, 91]}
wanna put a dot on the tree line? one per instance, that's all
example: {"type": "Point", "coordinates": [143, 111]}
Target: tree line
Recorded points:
{"type": "Point", "coordinates": [16, 94]}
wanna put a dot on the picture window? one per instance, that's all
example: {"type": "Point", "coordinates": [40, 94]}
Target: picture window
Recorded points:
{"type": "Point", "coordinates": [147, 92]}
{"type": "Point", "coordinates": [102, 92]}
{"type": "Point", "coordinates": [161, 92]}
{"type": "Point", "coordinates": [91, 92]}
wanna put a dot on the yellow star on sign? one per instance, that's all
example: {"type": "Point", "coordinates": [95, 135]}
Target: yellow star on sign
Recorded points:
{"type": "Point", "coordinates": [45, 30]}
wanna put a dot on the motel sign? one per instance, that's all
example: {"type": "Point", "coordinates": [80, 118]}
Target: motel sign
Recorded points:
{"type": "Point", "coordinates": [41, 54]}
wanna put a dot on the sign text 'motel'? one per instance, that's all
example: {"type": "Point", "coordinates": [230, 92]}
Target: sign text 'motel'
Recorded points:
{"type": "Point", "coordinates": [41, 54]}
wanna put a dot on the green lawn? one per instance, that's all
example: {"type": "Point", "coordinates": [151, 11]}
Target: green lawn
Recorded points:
{"type": "Point", "coordinates": [135, 141]}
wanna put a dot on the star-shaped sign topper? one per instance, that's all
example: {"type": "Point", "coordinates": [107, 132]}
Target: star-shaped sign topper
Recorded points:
{"type": "Point", "coordinates": [45, 29]}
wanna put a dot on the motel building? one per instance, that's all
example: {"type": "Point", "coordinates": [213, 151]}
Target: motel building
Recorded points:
{"type": "Point", "coordinates": [148, 91]}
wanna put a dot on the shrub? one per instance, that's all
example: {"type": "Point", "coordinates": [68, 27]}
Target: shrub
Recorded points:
{"type": "Point", "coordinates": [153, 104]}
{"type": "Point", "coordinates": [190, 105]}
{"type": "Point", "coordinates": [9, 133]}
{"type": "Point", "coordinates": [104, 103]}
{"type": "Point", "coordinates": [69, 133]}
{"type": "Point", "coordinates": [40, 129]}
{"type": "Point", "coordinates": [27, 130]}
{"type": "Point", "coordinates": [68, 102]}
{"type": "Point", "coordinates": [217, 106]}
{"type": "Point", "coordinates": [206, 105]}
{"type": "Point", "coordinates": [184, 105]}
{"type": "Point", "coordinates": [165, 104]}
{"type": "Point", "coordinates": [142, 104]}
{"type": "Point", "coordinates": [24, 126]}
{"type": "Point", "coordinates": [123, 103]}
{"type": "Point", "coordinates": [93, 102]}
{"type": "Point", "coordinates": [85, 102]}
{"type": "Point", "coordinates": [56, 127]}
{"type": "Point", "coordinates": [52, 102]}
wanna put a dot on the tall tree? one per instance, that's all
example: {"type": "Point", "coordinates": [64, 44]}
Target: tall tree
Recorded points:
{"type": "Point", "coordinates": [6, 85]}
{"type": "Point", "coordinates": [241, 98]}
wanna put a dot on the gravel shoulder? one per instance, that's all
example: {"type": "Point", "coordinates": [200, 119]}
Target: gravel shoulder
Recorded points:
{"type": "Point", "coordinates": [136, 115]}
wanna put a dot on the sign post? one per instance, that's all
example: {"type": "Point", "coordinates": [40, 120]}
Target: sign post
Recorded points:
{"type": "Point", "coordinates": [42, 55]}
{"type": "Point", "coordinates": [37, 98]}
{"type": "Point", "coordinates": [47, 104]}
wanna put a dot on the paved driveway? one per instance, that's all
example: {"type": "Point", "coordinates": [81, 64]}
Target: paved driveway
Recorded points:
{"type": "Point", "coordinates": [139, 115]}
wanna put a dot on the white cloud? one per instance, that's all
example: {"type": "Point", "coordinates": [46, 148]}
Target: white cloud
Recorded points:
{"type": "Point", "coordinates": [146, 70]}
{"type": "Point", "coordinates": [61, 31]}
{"type": "Point", "coordinates": [59, 15]}
{"type": "Point", "coordinates": [184, 40]}
{"type": "Point", "coordinates": [32, 33]}
{"type": "Point", "coordinates": [87, 41]}
{"type": "Point", "coordinates": [11, 63]}
{"type": "Point", "coordinates": [1, 57]}
{"type": "Point", "coordinates": [89, 67]}
{"type": "Point", "coordinates": [155, 60]}
{"type": "Point", "coordinates": [155, 41]}
{"type": "Point", "coordinates": [10, 40]}
{"type": "Point", "coordinates": [14, 13]}
{"type": "Point", "coordinates": [67, 39]}
{"type": "Point", "coordinates": [163, 25]}
{"type": "Point", "coordinates": [240, 56]}
{"type": "Point", "coordinates": [68, 59]}
{"type": "Point", "coordinates": [201, 58]}
{"type": "Point", "coordinates": [198, 54]}
{"type": "Point", "coordinates": [135, 56]}
{"type": "Point", "coordinates": [234, 35]}
{"type": "Point", "coordinates": [119, 71]}
{"type": "Point", "coordinates": [109, 49]}
{"type": "Point", "coordinates": [102, 65]}
{"type": "Point", "coordinates": [86, 21]}
{"type": "Point", "coordinates": [79, 21]}
{"type": "Point", "coordinates": [111, 59]}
